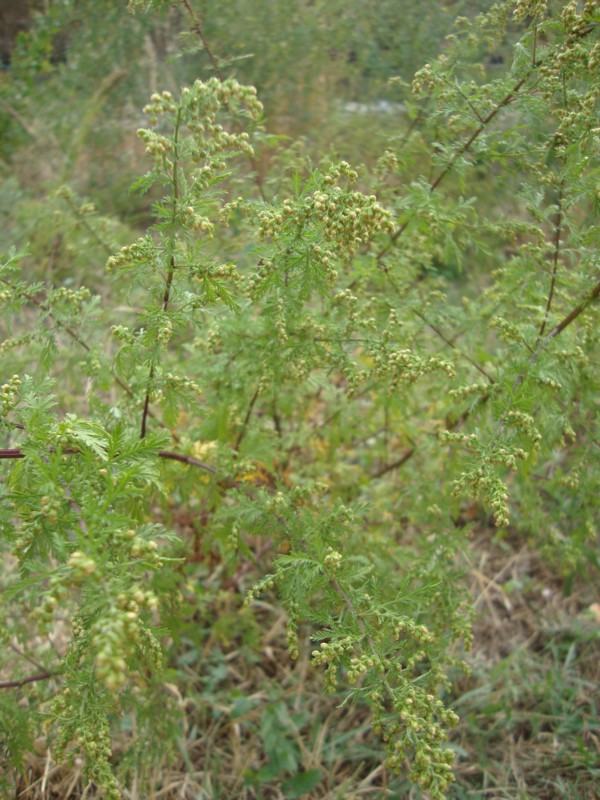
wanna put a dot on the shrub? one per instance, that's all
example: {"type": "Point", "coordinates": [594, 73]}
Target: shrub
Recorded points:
{"type": "Point", "coordinates": [324, 369]}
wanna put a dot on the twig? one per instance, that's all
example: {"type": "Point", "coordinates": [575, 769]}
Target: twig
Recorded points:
{"type": "Point", "coordinates": [22, 122]}
{"type": "Point", "coordinates": [197, 26]}
{"type": "Point", "coordinates": [555, 256]}
{"type": "Point", "coordinates": [27, 657]}
{"type": "Point", "coordinates": [12, 684]}
{"type": "Point", "coordinates": [244, 428]}
{"type": "Point", "coordinates": [564, 323]}
{"type": "Point", "coordinates": [193, 462]}
{"type": "Point", "coordinates": [166, 454]}
{"type": "Point", "coordinates": [451, 344]}
{"type": "Point", "coordinates": [395, 464]}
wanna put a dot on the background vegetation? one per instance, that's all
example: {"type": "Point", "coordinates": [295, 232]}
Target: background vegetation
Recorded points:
{"type": "Point", "coordinates": [299, 479]}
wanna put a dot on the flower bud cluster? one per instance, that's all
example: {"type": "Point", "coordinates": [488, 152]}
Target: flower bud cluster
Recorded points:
{"type": "Point", "coordinates": [90, 731]}
{"type": "Point", "coordinates": [9, 394]}
{"type": "Point", "coordinates": [123, 334]}
{"type": "Point", "coordinates": [530, 8]}
{"type": "Point", "coordinates": [387, 164]}
{"type": "Point", "coordinates": [281, 323]}
{"type": "Point", "coordinates": [133, 255]}
{"type": "Point", "coordinates": [214, 339]}
{"type": "Point", "coordinates": [470, 390]}
{"type": "Point", "coordinates": [340, 171]}
{"type": "Point", "coordinates": [359, 665]}
{"type": "Point", "coordinates": [63, 435]}
{"type": "Point", "coordinates": [299, 370]}
{"type": "Point", "coordinates": [572, 20]}
{"type": "Point", "coordinates": [229, 271]}
{"type": "Point", "coordinates": [403, 366]}
{"type": "Point", "coordinates": [419, 729]}
{"type": "Point", "coordinates": [568, 434]}
{"type": "Point", "coordinates": [146, 549]}
{"type": "Point", "coordinates": [160, 104]}
{"type": "Point", "coordinates": [482, 481]}
{"type": "Point", "coordinates": [197, 110]}
{"type": "Point", "coordinates": [91, 365]}
{"type": "Point", "coordinates": [471, 440]}
{"type": "Point", "coordinates": [571, 481]}
{"type": "Point", "coordinates": [118, 635]}
{"type": "Point", "coordinates": [354, 378]}
{"type": "Point", "coordinates": [81, 566]}
{"type": "Point", "coordinates": [581, 115]}
{"type": "Point", "coordinates": [508, 331]}
{"type": "Point", "coordinates": [189, 218]}
{"type": "Point", "coordinates": [232, 543]}
{"type": "Point", "coordinates": [164, 331]}
{"type": "Point", "coordinates": [344, 219]}
{"type": "Point", "coordinates": [346, 298]}
{"type": "Point", "coordinates": [16, 341]}
{"type": "Point", "coordinates": [292, 631]}
{"type": "Point", "coordinates": [266, 583]}
{"type": "Point", "coordinates": [424, 81]}
{"type": "Point", "coordinates": [460, 625]}
{"type": "Point", "coordinates": [525, 423]}
{"type": "Point", "coordinates": [408, 628]}
{"type": "Point", "coordinates": [330, 655]}
{"type": "Point", "coordinates": [349, 219]}
{"type": "Point", "coordinates": [30, 530]}
{"type": "Point", "coordinates": [160, 147]}
{"type": "Point", "coordinates": [69, 296]}
{"type": "Point", "coordinates": [183, 384]}
{"type": "Point", "coordinates": [44, 613]}
{"type": "Point", "coordinates": [551, 383]}
{"type": "Point", "coordinates": [333, 559]}
{"type": "Point", "coordinates": [332, 651]}
{"type": "Point", "coordinates": [277, 503]}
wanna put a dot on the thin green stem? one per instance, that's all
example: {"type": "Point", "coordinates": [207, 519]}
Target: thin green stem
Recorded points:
{"type": "Point", "coordinates": [555, 258]}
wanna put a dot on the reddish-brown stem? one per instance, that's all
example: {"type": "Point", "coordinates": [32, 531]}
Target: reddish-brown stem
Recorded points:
{"type": "Point", "coordinates": [12, 454]}
{"type": "Point", "coordinates": [183, 459]}
{"type": "Point", "coordinates": [166, 454]}
{"type": "Point", "coordinates": [244, 428]}
{"type": "Point", "coordinates": [566, 321]}
{"type": "Point", "coordinates": [32, 678]}
{"type": "Point", "coordinates": [395, 464]}
{"type": "Point", "coordinates": [197, 26]}
{"type": "Point", "coordinates": [451, 344]}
